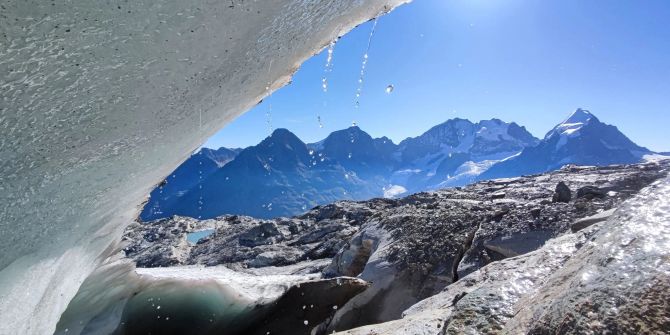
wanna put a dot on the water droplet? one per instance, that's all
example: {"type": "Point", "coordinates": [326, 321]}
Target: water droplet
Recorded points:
{"type": "Point", "coordinates": [328, 68]}
{"type": "Point", "coordinates": [359, 90]}
{"type": "Point", "coordinates": [350, 155]}
{"type": "Point", "coordinates": [389, 89]}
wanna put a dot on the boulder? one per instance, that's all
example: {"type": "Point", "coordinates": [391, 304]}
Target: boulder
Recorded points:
{"type": "Point", "coordinates": [588, 221]}
{"type": "Point", "coordinates": [590, 192]}
{"type": "Point", "coordinates": [562, 193]}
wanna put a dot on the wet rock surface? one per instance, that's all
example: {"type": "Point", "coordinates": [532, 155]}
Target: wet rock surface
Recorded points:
{"type": "Point", "coordinates": [433, 247]}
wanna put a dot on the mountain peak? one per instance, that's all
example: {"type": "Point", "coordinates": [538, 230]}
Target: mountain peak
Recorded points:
{"type": "Point", "coordinates": [582, 116]}
{"type": "Point", "coordinates": [281, 132]}
{"type": "Point", "coordinates": [572, 125]}
{"type": "Point", "coordinates": [281, 139]}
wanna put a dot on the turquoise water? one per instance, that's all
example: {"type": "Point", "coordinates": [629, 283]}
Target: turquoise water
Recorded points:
{"type": "Point", "coordinates": [194, 237]}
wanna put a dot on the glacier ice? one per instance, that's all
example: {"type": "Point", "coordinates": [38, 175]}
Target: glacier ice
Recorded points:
{"type": "Point", "coordinates": [99, 101]}
{"type": "Point", "coordinates": [117, 293]}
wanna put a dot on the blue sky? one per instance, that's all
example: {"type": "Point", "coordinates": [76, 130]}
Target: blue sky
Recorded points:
{"type": "Point", "coordinates": [528, 61]}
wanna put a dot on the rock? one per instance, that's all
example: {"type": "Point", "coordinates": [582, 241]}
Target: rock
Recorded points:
{"type": "Point", "coordinates": [352, 259]}
{"type": "Point", "coordinates": [518, 244]}
{"type": "Point", "coordinates": [259, 235]}
{"type": "Point", "coordinates": [498, 215]}
{"type": "Point", "coordinates": [590, 192]}
{"type": "Point", "coordinates": [535, 212]}
{"type": "Point", "coordinates": [562, 193]}
{"type": "Point", "coordinates": [498, 195]}
{"type": "Point", "coordinates": [588, 221]}
{"type": "Point", "coordinates": [273, 258]}
{"type": "Point", "coordinates": [306, 306]}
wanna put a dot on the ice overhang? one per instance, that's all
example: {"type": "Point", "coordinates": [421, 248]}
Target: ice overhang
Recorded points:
{"type": "Point", "coordinates": [99, 100]}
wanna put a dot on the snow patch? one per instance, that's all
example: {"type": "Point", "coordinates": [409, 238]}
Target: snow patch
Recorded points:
{"type": "Point", "coordinates": [654, 157]}
{"type": "Point", "coordinates": [492, 130]}
{"type": "Point", "coordinates": [394, 191]}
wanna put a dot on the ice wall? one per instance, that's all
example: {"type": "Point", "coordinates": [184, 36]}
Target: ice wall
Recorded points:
{"type": "Point", "coordinates": [99, 100]}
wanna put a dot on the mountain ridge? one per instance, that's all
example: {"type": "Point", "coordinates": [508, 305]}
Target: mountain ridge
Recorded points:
{"type": "Point", "coordinates": [283, 176]}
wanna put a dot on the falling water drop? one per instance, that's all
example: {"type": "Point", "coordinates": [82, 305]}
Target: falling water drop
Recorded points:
{"type": "Point", "coordinates": [326, 71]}
{"type": "Point", "coordinates": [328, 68]}
{"type": "Point", "coordinates": [364, 63]}
{"type": "Point", "coordinates": [268, 118]}
{"type": "Point", "coordinates": [200, 202]}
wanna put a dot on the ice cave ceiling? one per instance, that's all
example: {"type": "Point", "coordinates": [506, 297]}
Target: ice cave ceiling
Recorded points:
{"type": "Point", "coordinates": [99, 100]}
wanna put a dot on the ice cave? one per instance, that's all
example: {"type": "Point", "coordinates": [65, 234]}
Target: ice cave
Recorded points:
{"type": "Point", "coordinates": [100, 101]}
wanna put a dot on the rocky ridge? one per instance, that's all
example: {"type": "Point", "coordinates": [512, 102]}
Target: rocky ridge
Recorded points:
{"type": "Point", "coordinates": [424, 254]}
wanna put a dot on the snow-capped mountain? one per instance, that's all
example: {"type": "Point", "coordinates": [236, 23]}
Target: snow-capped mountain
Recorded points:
{"type": "Point", "coordinates": [455, 152]}
{"type": "Point", "coordinates": [581, 139]}
{"type": "Point", "coordinates": [284, 176]}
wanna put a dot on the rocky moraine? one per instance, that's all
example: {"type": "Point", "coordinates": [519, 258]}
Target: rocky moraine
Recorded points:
{"type": "Point", "coordinates": [460, 260]}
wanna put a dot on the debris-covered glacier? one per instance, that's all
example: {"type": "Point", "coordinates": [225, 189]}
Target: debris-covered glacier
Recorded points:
{"type": "Point", "coordinates": [100, 100]}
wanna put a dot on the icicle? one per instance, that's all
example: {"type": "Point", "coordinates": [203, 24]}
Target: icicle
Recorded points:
{"type": "Point", "coordinates": [364, 63]}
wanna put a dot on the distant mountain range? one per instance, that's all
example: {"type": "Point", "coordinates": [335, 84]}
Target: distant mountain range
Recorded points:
{"type": "Point", "coordinates": [284, 176]}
